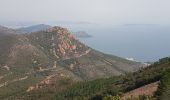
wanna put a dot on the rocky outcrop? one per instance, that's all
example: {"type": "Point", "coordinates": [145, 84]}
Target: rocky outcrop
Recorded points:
{"type": "Point", "coordinates": [61, 44]}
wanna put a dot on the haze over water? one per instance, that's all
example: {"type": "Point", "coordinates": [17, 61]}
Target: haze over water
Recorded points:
{"type": "Point", "coordinates": [142, 42]}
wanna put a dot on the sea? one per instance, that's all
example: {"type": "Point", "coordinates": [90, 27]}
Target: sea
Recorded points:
{"type": "Point", "coordinates": [141, 42]}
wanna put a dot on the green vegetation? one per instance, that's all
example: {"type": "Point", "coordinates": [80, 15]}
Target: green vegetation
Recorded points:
{"type": "Point", "coordinates": [101, 89]}
{"type": "Point", "coordinates": [116, 85]}
{"type": "Point", "coordinates": [164, 88]}
{"type": "Point", "coordinates": [6, 42]}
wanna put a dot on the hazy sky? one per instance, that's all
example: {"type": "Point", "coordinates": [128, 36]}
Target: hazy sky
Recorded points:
{"type": "Point", "coordinates": [108, 11]}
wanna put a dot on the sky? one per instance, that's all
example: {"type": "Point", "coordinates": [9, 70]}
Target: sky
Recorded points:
{"type": "Point", "coordinates": [93, 11]}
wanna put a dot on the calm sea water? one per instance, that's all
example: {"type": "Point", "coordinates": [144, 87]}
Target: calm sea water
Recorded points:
{"type": "Point", "coordinates": [141, 42]}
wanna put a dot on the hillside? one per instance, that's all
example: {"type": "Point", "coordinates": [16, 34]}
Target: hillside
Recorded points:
{"type": "Point", "coordinates": [116, 87]}
{"type": "Point", "coordinates": [148, 90]}
{"type": "Point", "coordinates": [33, 28]}
{"type": "Point", "coordinates": [5, 30]}
{"type": "Point", "coordinates": [29, 62]}
{"type": "Point", "coordinates": [163, 92]}
{"type": "Point", "coordinates": [113, 88]}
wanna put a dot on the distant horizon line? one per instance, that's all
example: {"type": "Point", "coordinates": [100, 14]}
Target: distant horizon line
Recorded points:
{"type": "Point", "coordinates": [16, 24]}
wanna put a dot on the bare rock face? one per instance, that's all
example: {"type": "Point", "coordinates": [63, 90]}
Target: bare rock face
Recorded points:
{"type": "Point", "coordinates": [61, 43]}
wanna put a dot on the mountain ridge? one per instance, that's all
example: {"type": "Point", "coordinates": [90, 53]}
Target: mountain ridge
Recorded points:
{"type": "Point", "coordinates": [33, 28]}
{"type": "Point", "coordinates": [32, 61]}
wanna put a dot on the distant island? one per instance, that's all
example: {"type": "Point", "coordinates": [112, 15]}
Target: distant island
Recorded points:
{"type": "Point", "coordinates": [140, 24]}
{"type": "Point", "coordinates": [82, 34]}
{"type": "Point", "coordinates": [33, 28]}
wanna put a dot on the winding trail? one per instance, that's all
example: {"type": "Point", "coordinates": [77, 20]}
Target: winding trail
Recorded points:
{"type": "Point", "coordinates": [14, 80]}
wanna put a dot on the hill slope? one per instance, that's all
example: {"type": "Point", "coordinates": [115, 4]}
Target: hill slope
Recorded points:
{"type": "Point", "coordinates": [53, 56]}
{"type": "Point", "coordinates": [115, 87]}
{"type": "Point", "coordinates": [112, 88]}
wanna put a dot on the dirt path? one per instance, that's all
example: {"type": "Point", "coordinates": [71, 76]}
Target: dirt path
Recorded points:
{"type": "Point", "coordinates": [15, 80]}
{"type": "Point", "coordinates": [77, 55]}
{"type": "Point", "coordinates": [149, 90]}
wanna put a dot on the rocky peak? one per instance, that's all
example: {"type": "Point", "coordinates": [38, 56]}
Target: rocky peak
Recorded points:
{"type": "Point", "coordinates": [62, 43]}
{"type": "Point", "coordinates": [65, 44]}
